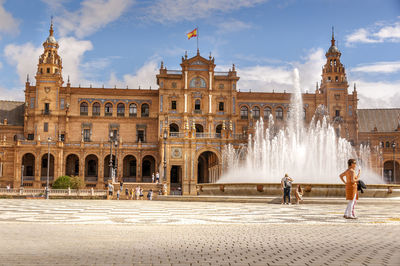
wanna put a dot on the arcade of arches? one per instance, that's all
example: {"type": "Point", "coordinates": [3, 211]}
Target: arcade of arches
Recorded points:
{"type": "Point", "coordinates": [391, 174]}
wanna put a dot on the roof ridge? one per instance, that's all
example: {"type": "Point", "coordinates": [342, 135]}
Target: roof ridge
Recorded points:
{"type": "Point", "coordinates": [11, 101]}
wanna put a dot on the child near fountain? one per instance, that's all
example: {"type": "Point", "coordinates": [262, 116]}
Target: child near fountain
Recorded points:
{"type": "Point", "coordinates": [299, 194]}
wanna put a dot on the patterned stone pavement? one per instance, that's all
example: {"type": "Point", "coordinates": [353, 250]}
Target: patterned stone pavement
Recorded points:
{"type": "Point", "coordinates": [69, 232]}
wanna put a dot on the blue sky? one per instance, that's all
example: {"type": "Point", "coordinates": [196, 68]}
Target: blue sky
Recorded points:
{"type": "Point", "coordinates": [122, 42]}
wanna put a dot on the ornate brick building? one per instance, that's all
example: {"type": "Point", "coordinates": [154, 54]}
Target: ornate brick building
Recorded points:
{"type": "Point", "coordinates": [181, 127]}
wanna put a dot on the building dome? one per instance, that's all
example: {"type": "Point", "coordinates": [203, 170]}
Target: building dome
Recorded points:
{"type": "Point", "coordinates": [51, 39]}
{"type": "Point", "coordinates": [333, 49]}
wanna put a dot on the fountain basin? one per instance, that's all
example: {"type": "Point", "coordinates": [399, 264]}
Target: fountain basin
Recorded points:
{"type": "Point", "coordinates": [310, 190]}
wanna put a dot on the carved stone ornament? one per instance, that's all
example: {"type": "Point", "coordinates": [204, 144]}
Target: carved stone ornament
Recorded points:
{"type": "Point", "coordinates": [47, 89]}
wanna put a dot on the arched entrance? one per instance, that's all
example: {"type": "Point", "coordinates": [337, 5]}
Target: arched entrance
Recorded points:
{"type": "Point", "coordinates": [148, 168]}
{"type": "Point", "coordinates": [176, 180]}
{"type": "Point", "coordinates": [207, 167]}
{"type": "Point", "coordinates": [28, 162]}
{"type": "Point", "coordinates": [107, 167]}
{"type": "Point", "coordinates": [391, 174]}
{"type": "Point", "coordinates": [44, 165]}
{"type": "Point", "coordinates": [72, 165]}
{"type": "Point", "coordinates": [130, 166]}
{"type": "Point", "coordinates": [91, 168]}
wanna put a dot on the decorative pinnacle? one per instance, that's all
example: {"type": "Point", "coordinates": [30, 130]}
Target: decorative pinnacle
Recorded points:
{"type": "Point", "coordinates": [51, 27]}
{"type": "Point", "coordinates": [333, 37]}
{"type": "Point", "coordinates": [27, 78]}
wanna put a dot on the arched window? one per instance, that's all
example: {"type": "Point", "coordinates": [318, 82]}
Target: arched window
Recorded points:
{"type": "Point", "coordinates": [84, 108]}
{"type": "Point", "coordinates": [173, 130]}
{"type": "Point", "coordinates": [145, 110]}
{"type": "Point", "coordinates": [336, 78]}
{"type": "Point", "coordinates": [133, 109]}
{"type": "Point", "coordinates": [267, 113]}
{"type": "Point", "coordinates": [197, 82]}
{"type": "Point", "coordinates": [121, 109]}
{"type": "Point", "coordinates": [218, 131]}
{"type": "Point", "coordinates": [244, 112]}
{"type": "Point", "coordinates": [279, 113]}
{"type": "Point", "coordinates": [334, 62]}
{"type": "Point", "coordinates": [108, 109]}
{"type": "Point", "coordinates": [197, 106]}
{"type": "Point", "coordinates": [256, 112]}
{"type": "Point", "coordinates": [96, 109]}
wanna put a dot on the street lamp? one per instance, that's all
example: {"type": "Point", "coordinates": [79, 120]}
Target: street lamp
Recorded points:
{"type": "Point", "coordinates": [111, 164]}
{"type": "Point", "coordinates": [22, 176]}
{"type": "Point", "coordinates": [48, 167]}
{"type": "Point", "coordinates": [116, 143]}
{"type": "Point", "coordinates": [394, 162]}
{"type": "Point", "coordinates": [165, 154]}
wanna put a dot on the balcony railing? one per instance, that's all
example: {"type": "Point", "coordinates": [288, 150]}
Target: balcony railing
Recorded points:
{"type": "Point", "coordinates": [46, 112]}
{"type": "Point", "coordinates": [197, 112]}
{"type": "Point", "coordinates": [176, 134]}
{"type": "Point", "coordinates": [107, 114]}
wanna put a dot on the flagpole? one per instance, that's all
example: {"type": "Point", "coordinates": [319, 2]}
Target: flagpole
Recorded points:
{"type": "Point", "coordinates": [197, 38]}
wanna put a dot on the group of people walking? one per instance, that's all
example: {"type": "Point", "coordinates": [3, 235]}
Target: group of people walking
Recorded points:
{"type": "Point", "coordinates": [348, 177]}
{"type": "Point", "coordinates": [135, 193]}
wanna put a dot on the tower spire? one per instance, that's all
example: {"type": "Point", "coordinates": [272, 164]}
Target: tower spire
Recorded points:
{"type": "Point", "coordinates": [51, 27]}
{"type": "Point", "coordinates": [333, 37]}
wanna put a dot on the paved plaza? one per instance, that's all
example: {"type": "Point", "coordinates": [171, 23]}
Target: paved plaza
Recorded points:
{"type": "Point", "coordinates": [90, 232]}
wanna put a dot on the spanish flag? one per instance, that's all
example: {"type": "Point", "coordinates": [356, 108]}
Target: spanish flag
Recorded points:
{"type": "Point", "coordinates": [191, 34]}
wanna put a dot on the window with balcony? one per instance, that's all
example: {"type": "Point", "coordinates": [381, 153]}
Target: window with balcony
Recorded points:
{"type": "Point", "coordinates": [121, 109]}
{"type": "Point", "coordinates": [221, 106]}
{"type": "Point", "coordinates": [140, 135]}
{"type": "Point", "coordinates": [267, 113]}
{"type": "Point", "coordinates": [132, 110]}
{"type": "Point", "coordinates": [62, 103]}
{"type": "Point", "coordinates": [337, 113]}
{"type": "Point", "coordinates": [279, 113]}
{"type": "Point", "coordinates": [46, 127]}
{"type": "Point", "coordinates": [84, 109]}
{"type": "Point", "coordinates": [86, 135]}
{"type": "Point", "coordinates": [244, 112]}
{"type": "Point", "coordinates": [173, 105]}
{"type": "Point", "coordinates": [197, 107]}
{"type": "Point", "coordinates": [256, 112]}
{"type": "Point", "coordinates": [108, 109]}
{"type": "Point", "coordinates": [31, 136]}
{"type": "Point", "coordinates": [47, 108]}
{"type": "Point", "coordinates": [145, 112]}
{"type": "Point", "coordinates": [96, 109]}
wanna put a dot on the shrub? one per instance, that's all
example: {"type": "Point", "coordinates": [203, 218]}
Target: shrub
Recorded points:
{"type": "Point", "coordinates": [62, 182]}
{"type": "Point", "coordinates": [77, 182]}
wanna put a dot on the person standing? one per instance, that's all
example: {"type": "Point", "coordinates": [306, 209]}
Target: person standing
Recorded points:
{"type": "Point", "coordinates": [157, 177]}
{"type": "Point", "coordinates": [351, 188]}
{"type": "Point", "coordinates": [121, 185]}
{"type": "Point", "coordinates": [118, 194]}
{"type": "Point", "coordinates": [286, 186]}
{"type": "Point", "coordinates": [152, 178]}
{"type": "Point", "coordinates": [299, 194]}
{"type": "Point", "coordinates": [110, 190]}
{"type": "Point", "coordinates": [137, 192]}
{"type": "Point", "coordinates": [150, 195]}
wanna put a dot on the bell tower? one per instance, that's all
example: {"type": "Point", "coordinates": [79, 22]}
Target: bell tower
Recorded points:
{"type": "Point", "coordinates": [48, 83]}
{"type": "Point", "coordinates": [334, 82]}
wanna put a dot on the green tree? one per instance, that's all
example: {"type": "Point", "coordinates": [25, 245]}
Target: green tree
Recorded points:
{"type": "Point", "coordinates": [77, 182]}
{"type": "Point", "coordinates": [62, 182]}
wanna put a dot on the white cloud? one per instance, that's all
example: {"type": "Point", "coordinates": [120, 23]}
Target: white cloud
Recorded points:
{"type": "Point", "coordinates": [380, 32]}
{"type": "Point", "coordinates": [379, 67]}
{"type": "Point", "coordinates": [24, 57]}
{"type": "Point", "coordinates": [379, 94]}
{"type": "Point", "coordinates": [231, 26]}
{"type": "Point", "coordinates": [279, 78]}
{"type": "Point", "coordinates": [165, 11]}
{"type": "Point", "coordinates": [145, 77]}
{"type": "Point", "coordinates": [15, 94]}
{"type": "Point", "coordinates": [72, 51]}
{"type": "Point", "coordinates": [93, 15]}
{"type": "Point", "coordinates": [8, 23]}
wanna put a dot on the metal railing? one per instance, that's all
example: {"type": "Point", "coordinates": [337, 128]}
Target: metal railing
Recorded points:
{"type": "Point", "coordinates": [178, 72]}
{"type": "Point", "coordinates": [176, 134]}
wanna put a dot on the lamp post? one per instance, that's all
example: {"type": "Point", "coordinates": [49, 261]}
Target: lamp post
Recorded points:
{"type": "Point", "coordinates": [22, 176]}
{"type": "Point", "coordinates": [48, 167]}
{"type": "Point", "coordinates": [116, 144]}
{"type": "Point", "coordinates": [394, 162]}
{"type": "Point", "coordinates": [165, 154]}
{"type": "Point", "coordinates": [111, 164]}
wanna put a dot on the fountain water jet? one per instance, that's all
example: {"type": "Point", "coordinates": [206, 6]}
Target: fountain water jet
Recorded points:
{"type": "Point", "coordinates": [310, 154]}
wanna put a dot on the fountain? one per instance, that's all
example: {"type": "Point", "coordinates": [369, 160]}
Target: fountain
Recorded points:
{"type": "Point", "coordinates": [313, 155]}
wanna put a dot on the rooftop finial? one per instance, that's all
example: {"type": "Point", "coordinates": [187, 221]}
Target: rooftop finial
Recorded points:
{"type": "Point", "coordinates": [27, 78]}
{"type": "Point", "coordinates": [198, 52]}
{"type": "Point", "coordinates": [68, 79]}
{"type": "Point", "coordinates": [333, 37]}
{"type": "Point", "coordinates": [51, 27]}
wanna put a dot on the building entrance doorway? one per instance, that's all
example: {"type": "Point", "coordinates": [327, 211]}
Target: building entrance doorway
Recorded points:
{"type": "Point", "coordinates": [207, 168]}
{"type": "Point", "coordinates": [176, 180]}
